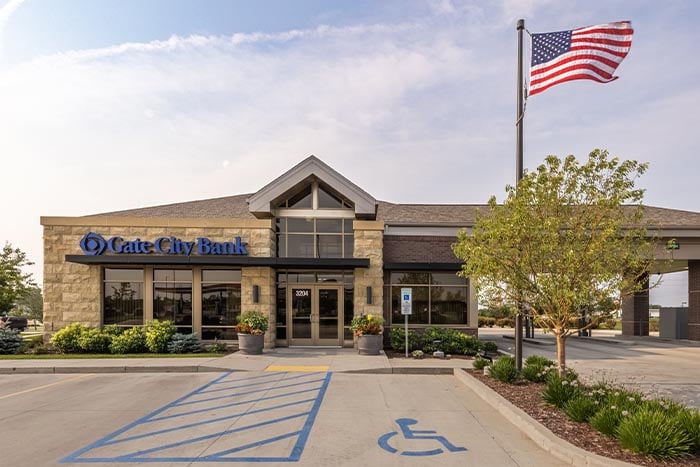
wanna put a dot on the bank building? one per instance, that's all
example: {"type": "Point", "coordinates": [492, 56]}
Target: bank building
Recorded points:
{"type": "Point", "coordinates": [311, 249]}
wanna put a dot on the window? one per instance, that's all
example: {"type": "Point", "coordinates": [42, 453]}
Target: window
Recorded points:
{"type": "Point", "coordinates": [172, 297]}
{"type": "Point", "coordinates": [439, 298]}
{"type": "Point", "coordinates": [314, 238]}
{"type": "Point", "coordinates": [221, 303]}
{"type": "Point", "coordinates": [123, 297]}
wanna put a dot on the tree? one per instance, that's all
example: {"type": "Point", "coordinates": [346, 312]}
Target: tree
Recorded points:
{"type": "Point", "coordinates": [569, 239]}
{"type": "Point", "coordinates": [31, 305]}
{"type": "Point", "coordinates": [13, 283]}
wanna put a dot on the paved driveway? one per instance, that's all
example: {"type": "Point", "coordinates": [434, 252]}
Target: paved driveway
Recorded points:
{"type": "Point", "coordinates": [269, 418]}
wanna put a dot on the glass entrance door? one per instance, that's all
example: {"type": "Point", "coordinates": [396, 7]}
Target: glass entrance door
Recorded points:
{"type": "Point", "coordinates": [316, 315]}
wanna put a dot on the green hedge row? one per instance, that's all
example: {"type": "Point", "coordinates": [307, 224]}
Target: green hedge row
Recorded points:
{"type": "Point", "coordinates": [451, 341]}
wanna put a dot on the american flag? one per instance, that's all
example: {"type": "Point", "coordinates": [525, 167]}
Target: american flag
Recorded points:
{"type": "Point", "coordinates": [593, 52]}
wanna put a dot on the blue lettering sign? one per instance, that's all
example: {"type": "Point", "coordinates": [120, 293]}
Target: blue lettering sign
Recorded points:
{"type": "Point", "coordinates": [94, 244]}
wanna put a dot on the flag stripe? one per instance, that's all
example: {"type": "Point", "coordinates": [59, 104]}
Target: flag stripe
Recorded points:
{"type": "Point", "coordinates": [592, 53]}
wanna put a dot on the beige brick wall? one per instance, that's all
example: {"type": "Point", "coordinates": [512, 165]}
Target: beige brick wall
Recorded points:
{"type": "Point", "coordinates": [264, 278]}
{"type": "Point", "coordinates": [369, 238]}
{"type": "Point", "coordinates": [72, 292]}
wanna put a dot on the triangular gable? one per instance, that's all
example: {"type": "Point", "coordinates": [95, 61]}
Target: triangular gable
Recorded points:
{"type": "Point", "coordinates": [261, 203]}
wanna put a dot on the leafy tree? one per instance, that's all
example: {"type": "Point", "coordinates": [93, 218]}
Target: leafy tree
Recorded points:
{"type": "Point", "coordinates": [31, 305]}
{"type": "Point", "coordinates": [13, 283]}
{"type": "Point", "coordinates": [567, 240]}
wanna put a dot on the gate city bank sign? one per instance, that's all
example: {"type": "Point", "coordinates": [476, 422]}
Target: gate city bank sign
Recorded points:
{"type": "Point", "coordinates": [94, 244]}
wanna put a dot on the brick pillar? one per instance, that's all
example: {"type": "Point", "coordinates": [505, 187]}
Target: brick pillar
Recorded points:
{"type": "Point", "coordinates": [635, 312]}
{"type": "Point", "coordinates": [694, 300]}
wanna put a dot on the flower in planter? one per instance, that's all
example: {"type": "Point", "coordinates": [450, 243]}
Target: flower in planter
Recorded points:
{"type": "Point", "coordinates": [252, 322]}
{"type": "Point", "coordinates": [367, 325]}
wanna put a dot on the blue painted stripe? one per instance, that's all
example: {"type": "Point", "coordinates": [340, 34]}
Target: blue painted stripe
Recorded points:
{"type": "Point", "coordinates": [266, 375]}
{"type": "Point", "coordinates": [204, 437]}
{"type": "Point", "coordinates": [73, 456]}
{"type": "Point", "coordinates": [199, 401]}
{"type": "Point", "coordinates": [233, 404]}
{"type": "Point", "coordinates": [206, 422]}
{"type": "Point", "coordinates": [220, 455]}
{"type": "Point", "coordinates": [254, 384]}
{"type": "Point", "coordinates": [306, 430]}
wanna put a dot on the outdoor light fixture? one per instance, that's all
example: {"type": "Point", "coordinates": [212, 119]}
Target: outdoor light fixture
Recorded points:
{"type": "Point", "coordinates": [369, 295]}
{"type": "Point", "coordinates": [256, 293]}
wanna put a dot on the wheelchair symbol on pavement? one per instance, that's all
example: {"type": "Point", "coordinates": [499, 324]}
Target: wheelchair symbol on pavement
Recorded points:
{"type": "Point", "coordinates": [408, 433]}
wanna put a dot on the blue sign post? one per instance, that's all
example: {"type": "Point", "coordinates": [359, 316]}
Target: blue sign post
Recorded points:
{"type": "Point", "coordinates": [406, 309]}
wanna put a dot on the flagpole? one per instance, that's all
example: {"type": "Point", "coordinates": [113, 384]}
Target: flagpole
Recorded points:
{"type": "Point", "coordinates": [519, 176]}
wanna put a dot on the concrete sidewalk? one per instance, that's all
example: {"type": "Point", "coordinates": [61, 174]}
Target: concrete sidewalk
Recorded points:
{"type": "Point", "coordinates": [280, 359]}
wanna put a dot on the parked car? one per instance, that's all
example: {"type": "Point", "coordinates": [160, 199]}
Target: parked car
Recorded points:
{"type": "Point", "coordinates": [14, 322]}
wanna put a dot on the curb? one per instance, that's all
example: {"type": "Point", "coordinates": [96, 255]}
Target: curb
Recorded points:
{"type": "Point", "coordinates": [109, 369]}
{"type": "Point", "coordinates": [544, 438]}
{"type": "Point", "coordinates": [530, 341]}
{"type": "Point", "coordinates": [598, 340]}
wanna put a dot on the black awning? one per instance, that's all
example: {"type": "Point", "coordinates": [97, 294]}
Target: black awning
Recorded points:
{"type": "Point", "coordinates": [423, 266]}
{"type": "Point", "coordinates": [222, 260]}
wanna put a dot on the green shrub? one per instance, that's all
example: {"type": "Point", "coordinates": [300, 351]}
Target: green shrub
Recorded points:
{"type": "Point", "coordinates": [663, 405]}
{"type": "Point", "coordinates": [580, 408]}
{"type": "Point", "coordinates": [505, 322]}
{"type": "Point", "coordinates": [113, 330]}
{"type": "Point", "coordinates": [184, 343]}
{"type": "Point", "coordinates": [654, 434]}
{"type": "Point", "coordinates": [623, 399]}
{"type": "Point", "coordinates": [254, 322]}
{"type": "Point", "coordinates": [10, 341]}
{"type": "Point", "coordinates": [94, 341]}
{"type": "Point", "coordinates": [66, 340]}
{"type": "Point", "coordinates": [560, 390]}
{"type": "Point", "coordinates": [489, 346]}
{"type": "Point", "coordinates": [606, 420]}
{"type": "Point", "coordinates": [689, 419]}
{"type": "Point", "coordinates": [216, 347]}
{"type": "Point", "coordinates": [503, 369]}
{"type": "Point", "coordinates": [158, 334]}
{"type": "Point", "coordinates": [538, 360]}
{"type": "Point", "coordinates": [133, 340]}
{"type": "Point", "coordinates": [397, 338]}
{"type": "Point", "coordinates": [480, 363]}
{"type": "Point", "coordinates": [486, 322]}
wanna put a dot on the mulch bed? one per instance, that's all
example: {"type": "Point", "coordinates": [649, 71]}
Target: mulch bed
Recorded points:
{"type": "Point", "coordinates": [527, 396]}
{"type": "Point", "coordinates": [391, 353]}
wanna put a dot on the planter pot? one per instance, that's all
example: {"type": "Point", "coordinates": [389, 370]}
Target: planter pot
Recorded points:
{"type": "Point", "coordinates": [369, 344]}
{"type": "Point", "coordinates": [251, 344]}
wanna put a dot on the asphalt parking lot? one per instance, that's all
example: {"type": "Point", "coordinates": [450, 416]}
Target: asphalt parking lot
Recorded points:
{"type": "Point", "coordinates": [269, 418]}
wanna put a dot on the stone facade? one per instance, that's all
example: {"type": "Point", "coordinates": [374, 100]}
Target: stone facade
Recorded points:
{"type": "Point", "coordinates": [264, 278]}
{"type": "Point", "coordinates": [694, 300]}
{"type": "Point", "coordinates": [635, 313]}
{"type": "Point", "coordinates": [73, 292]}
{"type": "Point", "coordinates": [369, 236]}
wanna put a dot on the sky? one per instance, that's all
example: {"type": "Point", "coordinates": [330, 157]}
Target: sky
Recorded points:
{"type": "Point", "coordinates": [117, 104]}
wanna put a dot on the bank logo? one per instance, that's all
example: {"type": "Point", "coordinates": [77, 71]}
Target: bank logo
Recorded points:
{"type": "Point", "coordinates": [93, 244]}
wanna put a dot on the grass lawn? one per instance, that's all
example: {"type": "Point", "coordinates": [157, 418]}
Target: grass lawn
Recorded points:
{"type": "Point", "coordinates": [79, 356]}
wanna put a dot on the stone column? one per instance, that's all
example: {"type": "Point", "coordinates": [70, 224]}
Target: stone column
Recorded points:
{"type": "Point", "coordinates": [264, 278]}
{"type": "Point", "coordinates": [694, 300]}
{"type": "Point", "coordinates": [369, 243]}
{"type": "Point", "coordinates": [635, 312]}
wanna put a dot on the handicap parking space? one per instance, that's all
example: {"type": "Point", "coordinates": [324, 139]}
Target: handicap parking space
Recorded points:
{"type": "Point", "coordinates": [236, 417]}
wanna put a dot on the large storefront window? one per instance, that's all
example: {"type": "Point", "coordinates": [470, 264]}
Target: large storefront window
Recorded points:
{"type": "Point", "coordinates": [172, 297]}
{"type": "Point", "coordinates": [439, 298]}
{"type": "Point", "coordinates": [221, 303]}
{"type": "Point", "coordinates": [314, 238]}
{"type": "Point", "coordinates": [123, 297]}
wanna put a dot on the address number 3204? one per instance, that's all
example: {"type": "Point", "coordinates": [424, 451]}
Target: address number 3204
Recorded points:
{"type": "Point", "coordinates": [302, 293]}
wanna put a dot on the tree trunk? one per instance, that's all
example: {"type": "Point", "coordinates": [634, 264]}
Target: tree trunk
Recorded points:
{"type": "Point", "coordinates": [561, 353]}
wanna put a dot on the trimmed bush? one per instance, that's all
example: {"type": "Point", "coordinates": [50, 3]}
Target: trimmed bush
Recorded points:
{"type": "Point", "coordinates": [94, 341]}
{"type": "Point", "coordinates": [113, 330]}
{"type": "Point", "coordinates": [480, 363]}
{"type": "Point", "coordinates": [486, 322]}
{"type": "Point", "coordinates": [560, 390]}
{"type": "Point", "coordinates": [490, 346]}
{"type": "Point", "coordinates": [504, 369]}
{"type": "Point", "coordinates": [654, 434]}
{"type": "Point", "coordinates": [133, 340]}
{"type": "Point", "coordinates": [10, 341]}
{"type": "Point", "coordinates": [606, 420]}
{"type": "Point", "coordinates": [66, 340]}
{"type": "Point", "coordinates": [184, 343]}
{"type": "Point", "coordinates": [158, 334]}
{"type": "Point", "coordinates": [580, 408]}
{"type": "Point", "coordinates": [397, 338]}
{"type": "Point", "coordinates": [505, 322]}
